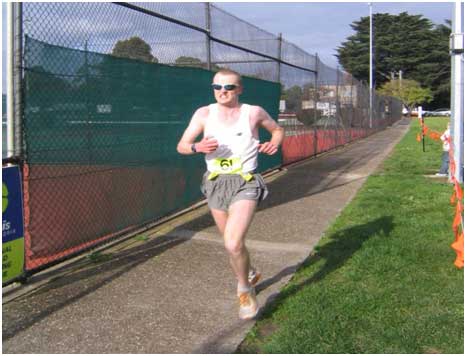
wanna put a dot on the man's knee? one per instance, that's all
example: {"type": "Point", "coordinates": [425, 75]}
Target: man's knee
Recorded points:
{"type": "Point", "coordinates": [234, 247]}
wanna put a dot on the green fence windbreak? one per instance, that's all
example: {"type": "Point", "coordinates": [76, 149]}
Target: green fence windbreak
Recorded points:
{"type": "Point", "coordinates": [109, 89]}
{"type": "Point", "coordinates": [101, 135]}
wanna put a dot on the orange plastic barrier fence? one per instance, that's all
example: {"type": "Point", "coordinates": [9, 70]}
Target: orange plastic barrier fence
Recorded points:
{"type": "Point", "coordinates": [457, 226]}
{"type": "Point", "coordinates": [456, 198]}
{"type": "Point", "coordinates": [304, 145]}
{"type": "Point", "coordinates": [111, 202]}
{"type": "Point", "coordinates": [426, 131]}
{"type": "Point", "coordinates": [296, 148]}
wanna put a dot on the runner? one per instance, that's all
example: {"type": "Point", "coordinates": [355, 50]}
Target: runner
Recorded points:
{"type": "Point", "coordinates": [231, 145]}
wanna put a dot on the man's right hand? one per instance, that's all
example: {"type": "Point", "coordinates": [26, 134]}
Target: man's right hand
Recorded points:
{"type": "Point", "coordinates": [207, 145]}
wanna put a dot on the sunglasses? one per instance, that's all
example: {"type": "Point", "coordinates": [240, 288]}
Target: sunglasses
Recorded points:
{"type": "Point", "coordinates": [227, 87]}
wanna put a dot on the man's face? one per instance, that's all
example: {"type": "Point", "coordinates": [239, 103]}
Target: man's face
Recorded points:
{"type": "Point", "coordinates": [224, 96]}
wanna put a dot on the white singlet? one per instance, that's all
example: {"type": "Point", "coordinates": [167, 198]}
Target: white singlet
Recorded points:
{"type": "Point", "coordinates": [237, 147]}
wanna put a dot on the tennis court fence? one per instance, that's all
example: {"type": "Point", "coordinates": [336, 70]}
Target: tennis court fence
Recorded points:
{"type": "Point", "coordinates": [106, 90]}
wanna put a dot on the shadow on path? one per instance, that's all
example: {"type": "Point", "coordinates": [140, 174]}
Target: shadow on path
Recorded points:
{"type": "Point", "coordinates": [312, 177]}
{"type": "Point", "coordinates": [343, 245]}
{"type": "Point", "coordinates": [23, 312]}
{"type": "Point", "coordinates": [301, 181]}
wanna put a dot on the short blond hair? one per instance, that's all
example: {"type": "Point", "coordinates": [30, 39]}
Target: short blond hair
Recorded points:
{"type": "Point", "coordinates": [226, 71]}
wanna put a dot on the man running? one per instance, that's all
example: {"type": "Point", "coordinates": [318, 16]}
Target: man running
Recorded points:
{"type": "Point", "coordinates": [231, 145]}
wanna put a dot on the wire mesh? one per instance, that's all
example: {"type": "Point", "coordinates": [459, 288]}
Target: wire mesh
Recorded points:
{"type": "Point", "coordinates": [238, 32]}
{"type": "Point", "coordinates": [109, 89]}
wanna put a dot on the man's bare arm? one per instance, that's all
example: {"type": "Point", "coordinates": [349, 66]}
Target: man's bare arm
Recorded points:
{"type": "Point", "coordinates": [277, 132]}
{"type": "Point", "coordinates": [194, 129]}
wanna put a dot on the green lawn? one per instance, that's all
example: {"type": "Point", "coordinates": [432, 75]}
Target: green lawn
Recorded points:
{"type": "Point", "coordinates": [382, 279]}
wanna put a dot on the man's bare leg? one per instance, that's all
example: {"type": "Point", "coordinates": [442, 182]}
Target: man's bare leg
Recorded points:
{"type": "Point", "coordinates": [220, 217]}
{"type": "Point", "coordinates": [240, 216]}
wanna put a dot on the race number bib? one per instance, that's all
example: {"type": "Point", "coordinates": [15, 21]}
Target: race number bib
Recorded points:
{"type": "Point", "coordinates": [227, 165]}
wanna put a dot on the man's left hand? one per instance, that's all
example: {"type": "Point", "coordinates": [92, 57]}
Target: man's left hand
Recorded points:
{"type": "Point", "coordinates": [268, 148]}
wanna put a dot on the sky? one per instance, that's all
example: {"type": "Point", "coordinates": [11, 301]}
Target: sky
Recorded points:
{"type": "Point", "coordinates": [322, 27]}
{"type": "Point", "coordinates": [315, 27]}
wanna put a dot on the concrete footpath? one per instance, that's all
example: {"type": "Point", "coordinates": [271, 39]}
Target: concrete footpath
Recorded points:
{"type": "Point", "coordinates": [174, 292]}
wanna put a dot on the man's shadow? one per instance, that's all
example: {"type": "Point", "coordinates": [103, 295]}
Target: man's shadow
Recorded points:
{"type": "Point", "coordinates": [343, 244]}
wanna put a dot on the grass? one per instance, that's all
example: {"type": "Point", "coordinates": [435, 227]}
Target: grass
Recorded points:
{"type": "Point", "coordinates": [141, 237]}
{"type": "Point", "coordinates": [382, 278]}
{"type": "Point", "coordinates": [99, 257]}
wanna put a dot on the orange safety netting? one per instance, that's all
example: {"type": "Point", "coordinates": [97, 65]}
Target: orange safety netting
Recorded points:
{"type": "Point", "coordinates": [457, 226]}
{"type": "Point", "coordinates": [426, 131]}
{"type": "Point", "coordinates": [456, 198]}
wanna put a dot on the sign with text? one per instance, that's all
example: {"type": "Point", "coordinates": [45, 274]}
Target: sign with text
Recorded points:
{"type": "Point", "coordinates": [12, 224]}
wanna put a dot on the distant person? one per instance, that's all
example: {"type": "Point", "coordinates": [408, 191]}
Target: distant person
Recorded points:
{"type": "Point", "coordinates": [443, 172]}
{"type": "Point", "coordinates": [231, 145]}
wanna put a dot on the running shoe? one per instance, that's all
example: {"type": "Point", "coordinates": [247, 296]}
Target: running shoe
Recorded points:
{"type": "Point", "coordinates": [248, 307]}
{"type": "Point", "coordinates": [254, 277]}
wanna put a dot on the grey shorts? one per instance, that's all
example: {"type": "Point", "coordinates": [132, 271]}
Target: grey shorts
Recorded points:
{"type": "Point", "coordinates": [226, 189]}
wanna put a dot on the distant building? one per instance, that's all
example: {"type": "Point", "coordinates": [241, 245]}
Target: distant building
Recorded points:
{"type": "Point", "coordinates": [347, 94]}
{"type": "Point", "coordinates": [282, 106]}
{"type": "Point", "coordinates": [289, 120]}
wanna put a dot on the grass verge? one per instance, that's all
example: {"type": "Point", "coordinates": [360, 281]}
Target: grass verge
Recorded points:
{"type": "Point", "coordinates": [382, 278]}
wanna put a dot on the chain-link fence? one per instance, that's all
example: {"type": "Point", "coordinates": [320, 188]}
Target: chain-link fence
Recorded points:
{"type": "Point", "coordinates": [108, 89]}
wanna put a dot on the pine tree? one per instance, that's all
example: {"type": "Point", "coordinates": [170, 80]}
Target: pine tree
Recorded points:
{"type": "Point", "coordinates": [407, 43]}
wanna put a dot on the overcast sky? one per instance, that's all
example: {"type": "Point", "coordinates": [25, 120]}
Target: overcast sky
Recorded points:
{"type": "Point", "coordinates": [316, 27]}
{"type": "Point", "coordinates": [321, 27]}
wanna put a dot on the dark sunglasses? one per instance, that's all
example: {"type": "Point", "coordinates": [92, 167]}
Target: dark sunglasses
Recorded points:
{"type": "Point", "coordinates": [226, 86]}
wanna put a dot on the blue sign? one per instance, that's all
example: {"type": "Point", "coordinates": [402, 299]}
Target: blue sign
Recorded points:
{"type": "Point", "coordinates": [12, 224]}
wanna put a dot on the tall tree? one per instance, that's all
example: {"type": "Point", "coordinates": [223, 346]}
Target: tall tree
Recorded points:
{"type": "Point", "coordinates": [407, 43]}
{"type": "Point", "coordinates": [134, 48]}
{"type": "Point", "coordinates": [436, 71]}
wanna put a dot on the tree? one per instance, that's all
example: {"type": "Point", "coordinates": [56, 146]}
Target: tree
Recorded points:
{"type": "Point", "coordinates": [408, 91]}
{"type": "Point", "coordinates": [45, 88]}
{"type": "Point", "coordinates": [134, 48]}
{"type": "Point", "coordinates": [293, 98]}
{"type": "Point", "coordinates": [436, 73]}
{"type": "Point", "coordinates": [407, 43]}
{"type": "Point", "coordinates": [184, 61]}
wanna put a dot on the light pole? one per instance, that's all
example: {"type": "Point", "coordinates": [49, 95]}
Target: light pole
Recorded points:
{"type": "Point", "coordinates": [370, 65]}
{"type": "Point", "coordinates": [10, 87]}
{"type": "Point", "coordinates": [457, 89]}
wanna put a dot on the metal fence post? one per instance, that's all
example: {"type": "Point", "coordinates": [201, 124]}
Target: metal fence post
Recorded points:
{"type": "Point", "coordinates": [316, 98]}
{"type": "Point", "coordinates": [350, 118]}
{"type": "Point", "coordinates": [19, 80]}
{"type": "Point", "coordinates": [14, 90]}
{"type": "Point", "coordinates": [337, 104]}
{"type": "Point", "coordinates": [208, 25]}
{"type": "Point", "coordinates": [88, 112]}
{"type": "Point", "coordinates": [10, 84]}
{"type": "Point", "coordinates": [279, 56]}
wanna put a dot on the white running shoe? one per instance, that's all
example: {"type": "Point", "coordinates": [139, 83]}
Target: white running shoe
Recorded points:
{"type": "Point", "coordinates": [248, 307]}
